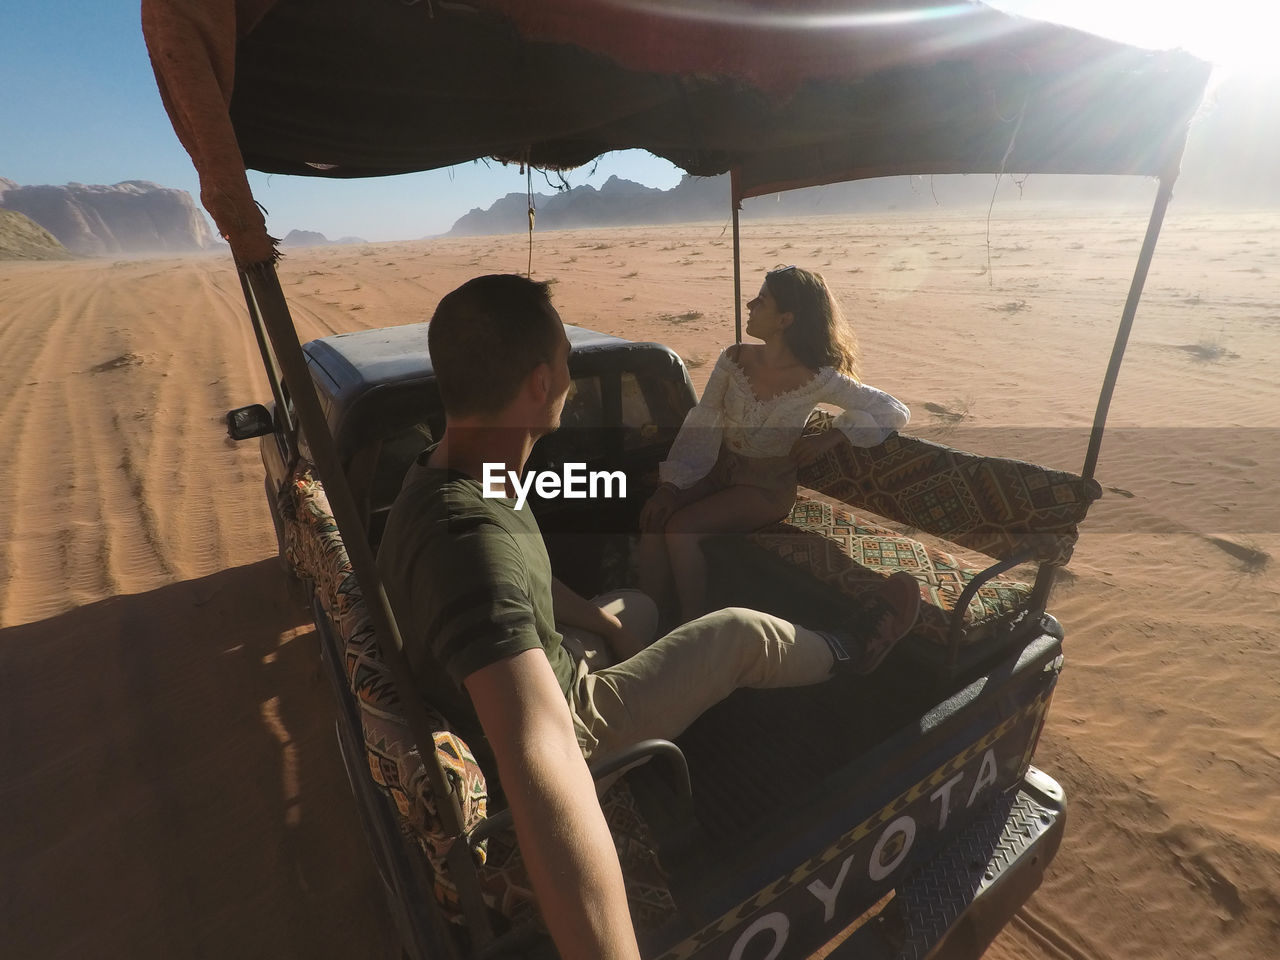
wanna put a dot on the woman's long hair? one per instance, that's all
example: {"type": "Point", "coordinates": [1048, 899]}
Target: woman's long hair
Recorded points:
{"type": "Point", "coordinates": [818, 336]}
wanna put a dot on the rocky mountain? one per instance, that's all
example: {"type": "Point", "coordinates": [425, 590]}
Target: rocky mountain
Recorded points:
{"type": "Point", "coordinates": [617, 203]}
{"type": "Point", "coordinates": [135, 216]}
{"type": "Point", "coordinates": [622, 202]}
{"type": "Point", "coordinates": [304, 238]}
{"type": "Point", "coordinates": [313, 238]}
{"type": "Point", "coordinates": [23, 239]}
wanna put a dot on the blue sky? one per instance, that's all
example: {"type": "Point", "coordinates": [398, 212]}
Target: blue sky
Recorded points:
{"type": "Point", "coordinates": [78, 103]}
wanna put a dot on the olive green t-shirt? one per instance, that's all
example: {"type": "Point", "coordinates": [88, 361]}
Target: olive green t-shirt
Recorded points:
{"type": "Point", "coordinates": [470, 583]}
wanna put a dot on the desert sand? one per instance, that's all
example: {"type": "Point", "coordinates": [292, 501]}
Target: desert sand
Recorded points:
{"type": "Point", "coordinates": [171, 786]}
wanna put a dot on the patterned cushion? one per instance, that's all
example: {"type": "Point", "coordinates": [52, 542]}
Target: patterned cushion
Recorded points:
{"type": "Point", "coordinates": [314, 547]}
{"type": "Point", "coordinates": [837, 548]}
{"type": "Point", "coordinates": [506, 883]}
{"type": "Point", "coordinates": [994, 505]}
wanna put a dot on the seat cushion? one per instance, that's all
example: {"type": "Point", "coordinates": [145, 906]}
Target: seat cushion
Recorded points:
{"type": "Point", "coordinates": [995, 505]}
{"type": "Point", "coordinates": [846, 552]}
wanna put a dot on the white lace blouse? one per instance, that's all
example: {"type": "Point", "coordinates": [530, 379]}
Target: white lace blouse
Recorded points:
{"type": "Point", "coordinates": [729, 413]}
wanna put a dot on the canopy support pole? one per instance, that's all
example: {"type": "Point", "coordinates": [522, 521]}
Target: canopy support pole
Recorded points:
{"type": "Point", "coordinates": [283, 416]}
{"type": "Point", "coordinates": [734, 204]}
{"type": "Point", "coordinates": [268, 307]}
{"type": "Point", "coordinates": [1163, 195]}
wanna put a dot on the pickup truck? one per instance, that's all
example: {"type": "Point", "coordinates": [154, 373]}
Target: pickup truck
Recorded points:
{"type": "Point", "coordinates": [892, 816]}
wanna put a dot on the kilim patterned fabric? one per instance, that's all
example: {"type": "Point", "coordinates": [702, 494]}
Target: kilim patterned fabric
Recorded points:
{"type": "Point", "coordinates": [314, 547]}
{"type": "Point", "coordinates": [994, 505]}
{"type": "Point", "coordinates": [506, 884]}
{"type": "Point", "coordinates": [852, 555]}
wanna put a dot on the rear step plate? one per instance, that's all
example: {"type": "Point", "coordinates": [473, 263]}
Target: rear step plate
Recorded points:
{"type": "Point", "coordinates": [1018, 834]}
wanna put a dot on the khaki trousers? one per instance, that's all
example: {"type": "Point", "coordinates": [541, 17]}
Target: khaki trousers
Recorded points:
{"type": "Point", "coordinates": [661, 690]}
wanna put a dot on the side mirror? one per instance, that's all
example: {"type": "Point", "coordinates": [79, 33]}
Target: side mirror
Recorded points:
{"type": "Point", "coordinates": [244, 423]}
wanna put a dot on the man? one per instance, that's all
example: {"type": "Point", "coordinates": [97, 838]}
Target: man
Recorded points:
{"type": "Point", "coordinates": [478, 606]}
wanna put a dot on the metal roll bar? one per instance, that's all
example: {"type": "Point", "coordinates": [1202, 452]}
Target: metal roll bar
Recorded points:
{"type": "Point", "coordinates": [269, 312]}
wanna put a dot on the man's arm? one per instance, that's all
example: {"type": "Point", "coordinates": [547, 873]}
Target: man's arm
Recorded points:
{"type": "Point", "coordinates": [567, 849]}
{"type": "Point", "coordinates": [574, 610]}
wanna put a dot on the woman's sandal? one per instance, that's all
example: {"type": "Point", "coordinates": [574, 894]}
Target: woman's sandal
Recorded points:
{"type": "Point", "coordinates": [885, 617]}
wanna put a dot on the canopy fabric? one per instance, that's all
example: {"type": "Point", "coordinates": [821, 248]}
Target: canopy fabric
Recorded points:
{"type": "Point", "coordinates": [782, 92]}
{"type": "Point", "coordinates": [192, 44]}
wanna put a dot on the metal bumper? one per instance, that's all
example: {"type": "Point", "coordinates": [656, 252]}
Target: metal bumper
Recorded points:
{"type": "Point", "coordinates": [953, 906]}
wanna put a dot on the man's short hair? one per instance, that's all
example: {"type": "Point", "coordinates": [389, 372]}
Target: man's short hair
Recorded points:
{"type": "Point", "coordinates": [486, 337]}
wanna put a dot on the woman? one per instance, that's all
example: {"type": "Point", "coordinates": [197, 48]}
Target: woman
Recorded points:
{"type": "Point", "coordinates": [733, 465]}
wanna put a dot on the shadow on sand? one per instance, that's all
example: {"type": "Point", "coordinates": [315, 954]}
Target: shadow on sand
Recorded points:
{"type": "Point", "coordinates": [171, 786]}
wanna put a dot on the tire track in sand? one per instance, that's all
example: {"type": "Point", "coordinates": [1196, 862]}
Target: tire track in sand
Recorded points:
{"type": "Point", "coordinates": [101, 429]}
{"type": "Point", "coordinates": [193, 470]}
{"type": "Point", "coordinates": [53, 508]}
{"type": "Point", "coordinates": [118, 379]}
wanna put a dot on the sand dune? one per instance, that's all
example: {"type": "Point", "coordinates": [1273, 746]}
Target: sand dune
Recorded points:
{"type": "Point", "coordinates": [171, 784]}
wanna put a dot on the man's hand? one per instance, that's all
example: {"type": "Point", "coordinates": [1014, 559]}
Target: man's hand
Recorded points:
{"type": "Point", "coordinates": [574, 610]}
{"type": "Point", "coordinates": [567, 848]}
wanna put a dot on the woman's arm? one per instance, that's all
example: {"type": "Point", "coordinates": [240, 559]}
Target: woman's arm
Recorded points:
{"type": "Point", "coordinates": [697, 445]}
{"type": "Point", "coordinates": [869, 416]}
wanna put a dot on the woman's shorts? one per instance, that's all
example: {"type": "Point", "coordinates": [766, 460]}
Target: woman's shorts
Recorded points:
{"type": "Point", "coordinates": [774, 476]}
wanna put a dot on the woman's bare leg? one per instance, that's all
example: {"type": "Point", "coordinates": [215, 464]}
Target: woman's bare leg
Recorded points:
{"type": "Point", "coordinates": [653, 561]}
{"type": "Point", "coordinates": [735, 509]}
{"type": "Point", "coordinates": [654, 568]}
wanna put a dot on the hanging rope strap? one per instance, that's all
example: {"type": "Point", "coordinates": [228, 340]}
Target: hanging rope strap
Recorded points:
{"type": "Point", "coordinates": [529, 192]}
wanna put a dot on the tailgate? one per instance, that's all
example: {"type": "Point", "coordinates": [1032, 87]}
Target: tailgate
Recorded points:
{"type": "Point", "coordinates": [794, 879]}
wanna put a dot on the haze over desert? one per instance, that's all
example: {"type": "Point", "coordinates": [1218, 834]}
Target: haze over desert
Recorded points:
{"type": "Point", "coordinates": [172, 782]}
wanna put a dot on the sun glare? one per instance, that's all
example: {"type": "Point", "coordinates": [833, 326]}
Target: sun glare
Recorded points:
{"type": "Point", "coordinates": [753, 14]}
{"type": "Point", "coordinates": [1241, 47]}
{"type": "Point", "coordinates": [1233, 34]}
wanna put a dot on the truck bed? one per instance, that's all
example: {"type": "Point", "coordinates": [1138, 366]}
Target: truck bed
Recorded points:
{"type": "Point", "coordinates": [842, 784]}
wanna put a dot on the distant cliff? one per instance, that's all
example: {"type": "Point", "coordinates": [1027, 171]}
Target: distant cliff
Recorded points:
{"type": "Point", "coordinates": [621, 202]}
{"type": "Point", "coordinates": [130, 217]}
{"type": "Point", "coordinates": [617, 203]}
